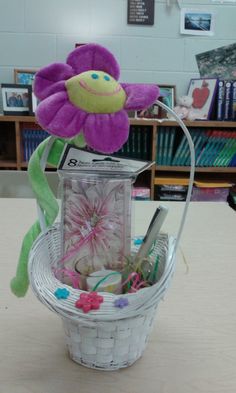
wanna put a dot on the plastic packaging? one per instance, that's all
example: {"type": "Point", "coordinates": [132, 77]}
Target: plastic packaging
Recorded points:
{"type": "Point", "coordinates": [96, 210]}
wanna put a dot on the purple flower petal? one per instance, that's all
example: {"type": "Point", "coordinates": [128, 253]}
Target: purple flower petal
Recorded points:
{"type": "Point", "coordinates": [59, 117]}
{"type": "Point", "coordinates": [93, 57]}
{"type": "Point", "coordinates": [50, 79]}
{"type": "Point", "coordinates": [47, 108]}
{"type": "Point", "coordinates": [106, 133]}
{"type": "Point", "coordinates": [140, 96]}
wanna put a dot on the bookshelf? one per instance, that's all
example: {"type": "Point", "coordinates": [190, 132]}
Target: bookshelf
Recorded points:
{"type": "Point", "coordinates": [12, 149]}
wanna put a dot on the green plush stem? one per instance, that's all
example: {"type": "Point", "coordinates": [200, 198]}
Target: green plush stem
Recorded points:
{"type": "Point", "coordinates": [48, 204]}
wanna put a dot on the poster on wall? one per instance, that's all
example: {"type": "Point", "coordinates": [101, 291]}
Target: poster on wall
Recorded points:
{"type": "Point", "coordinates": [140, 12]}
{"type": "Point", "coordinates": [196, 22]}
{"type": "Point", "coordinates": [218, 63]}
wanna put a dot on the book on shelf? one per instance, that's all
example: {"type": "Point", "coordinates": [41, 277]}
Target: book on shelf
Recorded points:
{"type": "Point", "coordinates": [213, 147]}
{"type": "Point", "coordinates": [187, 157]}
{"type": "Point", "coordinates": [138, 144]}
{"type": "Point", "coordinates": [132, 139]}
{"type": "Point", "coordinates": [200, 143]}
{"type": "Point", "coordinates": [166, 145]}
{"type": "Point", "coordinates": [202, 158]}
{"type": "Point", "coordinates": [171, 145]}
{"type": "Point", "coordinates": [226, 100]}
{"type": "Point", "coordinates": [233, 102]}
{"type": "Point", "coordinates": [31, 138]}
{"type": "Point", "coordinates": [176, 159]}
{"type": "Point", "coordinates": [160, 137]}
{"type": "Point", "coordinates": [220, 100]}
{"type": "Point", "coordinates": [226, 149]}
{"type": "Point", "coordinates": [233, 161]}
{"type": "Point", "coordinates": [229, 151]}
{"type": "Point", "coordinates": [216, 142]}
{"type": "Point", "coordinates": [145, 142]}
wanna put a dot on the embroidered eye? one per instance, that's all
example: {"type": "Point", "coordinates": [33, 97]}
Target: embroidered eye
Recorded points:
{"type": "Point", "coordinates": [106, 77]}
{"type": "Point", "coordinates": [95, 76]}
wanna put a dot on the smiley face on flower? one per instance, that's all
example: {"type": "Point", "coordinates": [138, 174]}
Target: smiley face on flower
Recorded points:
{"type": "Point", "coordinates": [96, 92]}
{"type": "Point", "coordinates": [84, 96]}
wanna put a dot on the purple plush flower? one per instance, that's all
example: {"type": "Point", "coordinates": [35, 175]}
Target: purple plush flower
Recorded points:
{"type": "Point", "coordinates": [84, 95]}
{"type": "Point", "coordinates": [121, 302]}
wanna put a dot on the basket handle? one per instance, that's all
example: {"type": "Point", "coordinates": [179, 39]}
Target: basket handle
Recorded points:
{"type": "Point", "coordinates": [192, 169]}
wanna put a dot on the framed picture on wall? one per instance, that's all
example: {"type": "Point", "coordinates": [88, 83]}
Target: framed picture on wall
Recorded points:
{"type": "Point", "coordinates": [167, 96]}
{"type": "Point", "coordinates": [34, 103]}
{"type": "Point", "coordinates": [24, 77]}
{"type": "Point", "coordinates": [196, 22]}
{"type": "Point", "coordinates": [16, 99]}
{"type": "Point", "coordinates": [203, 92]}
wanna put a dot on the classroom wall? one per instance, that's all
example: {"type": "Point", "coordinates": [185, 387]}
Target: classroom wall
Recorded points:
{"type": "Point", "coordinates": [34, 33]}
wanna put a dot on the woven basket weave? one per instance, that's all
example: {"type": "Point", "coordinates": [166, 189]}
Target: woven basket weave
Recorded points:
{"type": "Point", "coordinates": [109, 338]}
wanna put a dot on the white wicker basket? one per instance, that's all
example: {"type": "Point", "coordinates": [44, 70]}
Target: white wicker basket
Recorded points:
{"type": "Point", "coordinates": [109, 338]}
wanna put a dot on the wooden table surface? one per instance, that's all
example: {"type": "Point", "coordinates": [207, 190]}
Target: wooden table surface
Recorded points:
{"type": "Point", "coordinates": [193, 345]}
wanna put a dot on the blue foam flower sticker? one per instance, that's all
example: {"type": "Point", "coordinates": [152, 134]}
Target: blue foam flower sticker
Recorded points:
{"type": "Point", "coordinates": [121, 302]}
{"type": "Point", "coordinates": [61, 293]}
{"type": "Point", "coordinates": [138, 241]}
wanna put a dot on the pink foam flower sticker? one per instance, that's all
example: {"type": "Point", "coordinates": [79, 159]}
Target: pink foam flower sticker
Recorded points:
{"type": "Point", "coordinates": [84, 95]}
{"type": "Point", "coordinates": [89, 301]}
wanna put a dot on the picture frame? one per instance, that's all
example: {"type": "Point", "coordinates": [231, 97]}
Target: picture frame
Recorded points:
{"type": "Point", "coordinates": [34, 103]}
{"type": "Point", "coordinates": [16, 99]}
{"type": "Point", "coordinates": [24, 77]}
{"type": "Point", "coordinates": [167, 96]}
{"type": "Point", "coordinates": [197, 22]}
{"type": "Point", "coordinates": [203, 92]}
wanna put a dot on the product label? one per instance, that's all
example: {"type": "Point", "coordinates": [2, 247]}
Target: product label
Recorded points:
{"type": "Point", "coordinates": [75, 159]}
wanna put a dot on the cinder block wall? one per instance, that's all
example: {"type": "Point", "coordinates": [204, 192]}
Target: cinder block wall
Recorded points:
{"type": "Point", "coordinates": [34, 33]}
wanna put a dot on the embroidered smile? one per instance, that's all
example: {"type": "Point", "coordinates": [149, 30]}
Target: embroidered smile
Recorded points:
{"type": "Point", "coordinates": [93, 91]}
